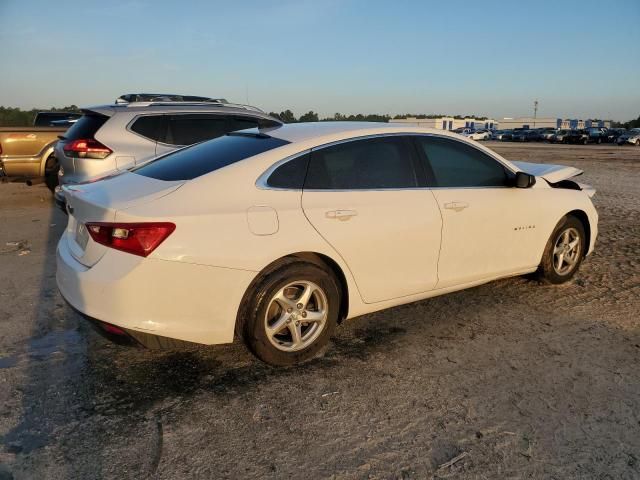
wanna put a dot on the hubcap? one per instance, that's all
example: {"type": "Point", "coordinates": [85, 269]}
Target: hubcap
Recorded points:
{"type": "Point", "coordinates": [296, 316]}
{"type": "Point", "coordinates": [566, 251]}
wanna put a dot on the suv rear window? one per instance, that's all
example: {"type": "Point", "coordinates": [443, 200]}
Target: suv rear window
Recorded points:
{"type": "Point", "coordinates": [86, 127]}
{"type": "Point", "coordinates": [192, 162]}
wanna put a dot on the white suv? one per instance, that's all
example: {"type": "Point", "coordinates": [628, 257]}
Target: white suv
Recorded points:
{"type": "Point", "coordinates": [139, 127]}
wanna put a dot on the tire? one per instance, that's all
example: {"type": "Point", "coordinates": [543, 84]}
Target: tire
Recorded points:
{"type": "Point", "coordinates": [51, 169]}
{"type": "Point", "coordinates": [555, 269]}
{"type": "Point", "coordinates": [274, 302]}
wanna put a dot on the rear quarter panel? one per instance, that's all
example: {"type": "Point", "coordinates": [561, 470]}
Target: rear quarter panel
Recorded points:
{"type": "Point", "coordinates": [212, 217]}
{"type": "Point", "coordinates": [26, 149]}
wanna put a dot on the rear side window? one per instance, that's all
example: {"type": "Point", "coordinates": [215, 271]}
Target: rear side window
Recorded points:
{"type": "Point", "coordinates": [190, 129]}
{"type": "Point", "coordinates": [149, 126]}
{"type": "Point", "coordinates": [192, 162]}
{"type": "Point", "coordinates": [85, 127]}
{"type": "Point", "coordinates": [362, 164]}
{"type": "Point", "coordinates": [291, 174]}
{"type": "Point", "coordinates": [456, 164]}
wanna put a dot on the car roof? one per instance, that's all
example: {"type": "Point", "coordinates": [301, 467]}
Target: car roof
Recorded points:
{"type": "Point", "coordinates": [321, 131]}
{"type": "Point", "coordinates": [178, 107]}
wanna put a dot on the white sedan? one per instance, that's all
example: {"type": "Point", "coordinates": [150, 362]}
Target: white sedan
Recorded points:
{"type": "Point", "coordinates": [479, 135]}
{"type": "Point", "coordinates": [280, 234]}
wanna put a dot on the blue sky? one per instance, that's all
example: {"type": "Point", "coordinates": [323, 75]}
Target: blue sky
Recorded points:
{"type": "Point", "coordinates": [578, 58]}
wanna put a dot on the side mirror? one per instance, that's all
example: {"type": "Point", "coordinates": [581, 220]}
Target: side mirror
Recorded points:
{"type": "Point", "coordinates": [524, 180]}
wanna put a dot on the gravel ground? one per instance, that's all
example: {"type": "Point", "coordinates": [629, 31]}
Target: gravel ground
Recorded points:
{"type": "Point", "coordinates": [512, 379]}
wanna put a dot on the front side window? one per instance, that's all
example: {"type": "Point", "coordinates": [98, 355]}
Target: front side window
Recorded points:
{"type": "Point", "coordinates": [456, 164]}
{"type": "Point", "coordinates": [194, 128]}
{"type": "Point", "coordinates": [376, 163]}
{"type": "Point", "coordinates": [241, 123]}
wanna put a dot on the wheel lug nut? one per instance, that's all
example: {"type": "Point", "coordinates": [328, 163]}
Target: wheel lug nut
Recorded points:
{"type": "Point", "coordinates": [304, 314]}
{"type": "Point", "coordinates": [299, 306]}
{"type": "Point", "coordinates": [289, 310]}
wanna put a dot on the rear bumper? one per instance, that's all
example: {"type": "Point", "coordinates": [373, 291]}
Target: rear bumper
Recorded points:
{"type": "Point", "coordinates": [177, 300]}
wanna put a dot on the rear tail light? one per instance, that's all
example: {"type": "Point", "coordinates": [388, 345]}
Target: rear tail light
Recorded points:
{"type": "Point", "coordinates": [135, 238]}
{"type": "Point", "coordinates": [87, 148]}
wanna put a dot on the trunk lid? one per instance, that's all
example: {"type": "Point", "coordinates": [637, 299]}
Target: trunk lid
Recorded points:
{"type": "Point", "coordinates": [100, 201]}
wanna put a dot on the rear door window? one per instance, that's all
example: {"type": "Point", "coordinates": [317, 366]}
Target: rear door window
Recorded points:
{"type": "Point", "coordinates": [290, 175]}
{"type": "Point", "coordinates": [189, 163]}
{"type": "Point", "coordinates": [375, 163]}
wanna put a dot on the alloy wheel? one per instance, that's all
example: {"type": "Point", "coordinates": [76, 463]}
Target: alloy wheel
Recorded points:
{"type": "Point", "coordinates": [296, 316]}
{"type": "Point", "coordinates": [566, 251]}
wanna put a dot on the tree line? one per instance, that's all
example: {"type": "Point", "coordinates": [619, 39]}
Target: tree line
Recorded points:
{"type": "Point", "coordinates": [15, 117]}
{"type": "Point", "coordinates": [287, 116]}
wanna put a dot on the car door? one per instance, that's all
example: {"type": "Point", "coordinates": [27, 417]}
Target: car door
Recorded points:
{"type": "Point", "coordinates": [364, 197]}
{"type": "Point", "coordinates": [488, 227]}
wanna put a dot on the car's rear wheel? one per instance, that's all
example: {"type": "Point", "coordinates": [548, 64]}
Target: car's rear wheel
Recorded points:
{"type": "Point", "coordinates": [291, 314]}
{"type": "Point", "coordinates": [51, 172]}
{"type": "Point", "coordinates": [564, 251]}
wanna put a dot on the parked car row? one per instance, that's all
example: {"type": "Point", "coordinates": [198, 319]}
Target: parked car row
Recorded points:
{"type": "Point", "coordinates": [277, 233]}
{"type": "Point", "coordinates": [597, 135]}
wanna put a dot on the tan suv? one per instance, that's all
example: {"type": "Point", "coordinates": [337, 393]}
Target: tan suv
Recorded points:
{"type": "Point", "coordinates": [27, 153]}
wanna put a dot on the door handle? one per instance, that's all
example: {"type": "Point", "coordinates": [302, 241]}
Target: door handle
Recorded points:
{"type": "Point", "coordinates": [341, 214]}
{"type": "Point", "coordinates": [456, 206]}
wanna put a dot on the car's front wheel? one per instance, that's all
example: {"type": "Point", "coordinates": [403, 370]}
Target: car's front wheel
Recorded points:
{"type": "Point", "coordinates": [291, 314]}
{"type": "Point", "coordinates": [564, 251]}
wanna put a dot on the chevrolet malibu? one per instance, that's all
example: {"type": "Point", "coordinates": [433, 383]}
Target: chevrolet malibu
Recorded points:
{"type": "Point", "coordinates": [277, 235]}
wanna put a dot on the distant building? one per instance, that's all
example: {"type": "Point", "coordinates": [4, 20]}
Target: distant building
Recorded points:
{"type": "Point", "coordinates": [550, 122]}
{"type": "Point", "coordinates": [448, 123]}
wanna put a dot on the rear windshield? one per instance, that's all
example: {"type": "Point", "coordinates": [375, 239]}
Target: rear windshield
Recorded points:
{"type": "Point", "coordinates": [202, 158]}
{"type": "Point", "coordinates": [86, 127]}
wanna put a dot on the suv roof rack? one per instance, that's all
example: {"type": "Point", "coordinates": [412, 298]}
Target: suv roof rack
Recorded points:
{"type": "Point", "coordinates": [162, 99]}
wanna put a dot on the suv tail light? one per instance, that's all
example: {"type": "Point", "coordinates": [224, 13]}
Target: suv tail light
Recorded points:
{"type": "Point", "coordinates": [87, 148]}
{"type": "Point", "coordinates": [135, 238]}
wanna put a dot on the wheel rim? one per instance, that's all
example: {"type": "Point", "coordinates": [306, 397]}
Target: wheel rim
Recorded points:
{"type": "Point", "coordinates": [296, 316]}
{"type": "Point", "coordinates": [566, 251]}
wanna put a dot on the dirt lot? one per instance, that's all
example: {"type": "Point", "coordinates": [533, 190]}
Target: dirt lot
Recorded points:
{"type": "Point", "coordinates": [523, 380]}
